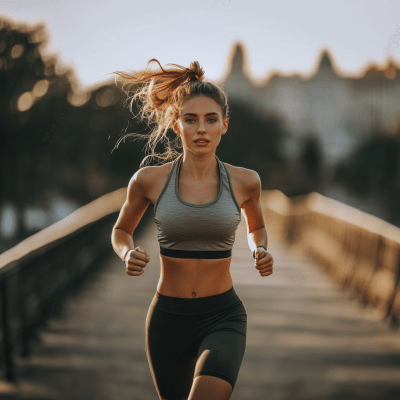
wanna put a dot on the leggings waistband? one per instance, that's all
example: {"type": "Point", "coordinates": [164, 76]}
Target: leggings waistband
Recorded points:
{"type": "Point", "coordinates": [190, 306]}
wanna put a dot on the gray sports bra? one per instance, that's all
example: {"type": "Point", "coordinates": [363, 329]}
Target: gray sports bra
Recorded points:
{"type": "Point", "coordinates": [187, 230]}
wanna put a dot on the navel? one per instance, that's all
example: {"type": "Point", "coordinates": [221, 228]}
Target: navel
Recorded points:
{"type": "Point", "coordinates": [194, 294]}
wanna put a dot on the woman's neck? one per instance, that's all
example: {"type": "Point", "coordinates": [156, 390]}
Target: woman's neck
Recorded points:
{"type": "Point", "coordinates": [199, 168]}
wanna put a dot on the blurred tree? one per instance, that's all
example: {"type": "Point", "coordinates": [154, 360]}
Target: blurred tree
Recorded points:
{"type": "Point", "coordinates": [33, 110]}
{"type": "Point", "coordinates": [311, 161]}
{"type": "Point", "coordinates": [49, 145]}
{"type": "Point", "coordinates": [21, 67]}
{"type": "Point", "coordinates": [253, 141]}
{"type": "Point", "coordinates": [373, 170]}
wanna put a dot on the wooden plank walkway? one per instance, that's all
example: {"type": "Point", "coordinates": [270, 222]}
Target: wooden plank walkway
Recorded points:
{"type": "Point", "coordinates": [307, 339]}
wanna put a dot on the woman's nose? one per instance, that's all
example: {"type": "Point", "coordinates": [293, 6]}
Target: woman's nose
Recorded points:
{"type": "Point", "coordinates": [201, 126]}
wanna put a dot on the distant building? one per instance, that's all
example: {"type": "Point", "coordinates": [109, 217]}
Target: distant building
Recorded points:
{"type": "Point", "coordinates": [339, 110]}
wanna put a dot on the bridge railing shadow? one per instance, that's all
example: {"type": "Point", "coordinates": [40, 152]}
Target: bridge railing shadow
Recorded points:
{"type": "Point", "coordinates": [38, 273]}
{"type": "Point", "coordinates": [358, 250]}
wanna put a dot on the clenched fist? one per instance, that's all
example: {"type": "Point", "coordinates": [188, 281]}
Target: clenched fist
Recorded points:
{"type": "Point", "coordinates": [135, 261]}
{"type": "Point", "coordinates": [263, 262]}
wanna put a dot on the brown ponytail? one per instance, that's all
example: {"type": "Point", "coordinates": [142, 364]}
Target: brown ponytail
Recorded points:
{"type": "Point", "coordinates": [162, 94]}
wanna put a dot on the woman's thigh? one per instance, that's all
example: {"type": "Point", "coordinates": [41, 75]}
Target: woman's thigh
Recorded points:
{"type": "Point", "coordinates": [220, 354]}
{"type": "Point", "coordinates": [171, 363]}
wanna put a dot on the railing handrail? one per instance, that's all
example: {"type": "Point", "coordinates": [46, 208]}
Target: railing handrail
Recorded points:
{"type": "Point", "coordinates": [359, 251]}
{"type": "Point", "coordinates": [83, 216]}
{"type": "Point", "coordinates": [38, 273]}
{"type": "Point", "coordinates": [317, 203]}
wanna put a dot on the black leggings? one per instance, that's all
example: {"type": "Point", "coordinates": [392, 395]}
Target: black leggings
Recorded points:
{"type": "Point", "coordinates": [188, 337]}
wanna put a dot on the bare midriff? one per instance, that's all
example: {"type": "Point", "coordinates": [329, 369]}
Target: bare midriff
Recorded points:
{"type": "Point", "coordinates": [193, 277]}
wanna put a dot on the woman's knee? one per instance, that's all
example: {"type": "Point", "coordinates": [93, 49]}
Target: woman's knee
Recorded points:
{"type": "Point", "coordinates": [210, 388]}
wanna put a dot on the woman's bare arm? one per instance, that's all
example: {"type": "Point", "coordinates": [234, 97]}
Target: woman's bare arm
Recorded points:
{"type": "Point", "coordinates": [257, 233]}
{"type": "Point", "coordinates": [131, 213]}
{"type": "Point", "coordinates": [252, 210]}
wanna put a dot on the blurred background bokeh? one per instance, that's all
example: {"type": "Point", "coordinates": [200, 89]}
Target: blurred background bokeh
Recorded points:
{"type": "Point", "coordinates": [328, 130]}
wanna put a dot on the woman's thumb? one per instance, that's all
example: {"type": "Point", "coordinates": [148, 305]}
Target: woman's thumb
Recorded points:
{"type": "Point", "coordinates": [259, 251]}
{"type": "Point", "coordinates": [141, 250]}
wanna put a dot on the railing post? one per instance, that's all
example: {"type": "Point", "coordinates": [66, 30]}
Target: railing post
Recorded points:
{"type": "Point", "coordinates": [24, 335]}
{"type": "Point", "coordinates": [393, 319]}
{"type": "Point", "coordinates": [8, 362]}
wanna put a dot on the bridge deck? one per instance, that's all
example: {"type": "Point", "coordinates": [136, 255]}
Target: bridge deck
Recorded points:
{"type": "Point", "coordinates": [307, 339]}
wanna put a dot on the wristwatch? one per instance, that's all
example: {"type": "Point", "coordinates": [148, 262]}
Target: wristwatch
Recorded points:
{"type": "Point", "coordinates": [254, 251]}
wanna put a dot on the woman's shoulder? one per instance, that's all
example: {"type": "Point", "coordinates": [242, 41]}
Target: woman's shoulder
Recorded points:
{"type": "Point", "coordinates": [242, 176]}
{"type": "Point", "coordinates": [150, 171]}
{"type": "Point", "coordinates": [152, 176]}
{"type": "Point", "coordinates": [245, 182]}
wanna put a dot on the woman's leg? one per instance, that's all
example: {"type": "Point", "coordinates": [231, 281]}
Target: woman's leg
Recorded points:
{"type": "Point", "coordinates": [210, 388]}
{"type": "Point", "coordinates": [171, 367]}
{"type": "Point", "coordinates": [220, 356]}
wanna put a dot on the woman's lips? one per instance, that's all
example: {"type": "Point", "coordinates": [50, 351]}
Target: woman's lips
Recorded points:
{"type": "Point", "coordinates": [202, 143]}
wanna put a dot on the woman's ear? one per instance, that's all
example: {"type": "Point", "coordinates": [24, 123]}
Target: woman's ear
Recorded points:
{"type": "Point", "coordinates": [225, 126]}
{"type": "Point", "coordinates": [175, 126]}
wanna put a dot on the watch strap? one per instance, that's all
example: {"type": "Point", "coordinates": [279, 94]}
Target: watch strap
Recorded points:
{"type": "Point", "coordinates": [254, 251]}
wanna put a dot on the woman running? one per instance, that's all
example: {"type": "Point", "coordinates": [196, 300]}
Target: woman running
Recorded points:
{"type": "Point", "coordinates": [196, 323]}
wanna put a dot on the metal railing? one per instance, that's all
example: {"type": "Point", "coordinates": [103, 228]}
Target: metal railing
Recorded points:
{"type": "Point", "coordinates": [358, 250]}
{"type": "Point", "coordinates": [37, 274]}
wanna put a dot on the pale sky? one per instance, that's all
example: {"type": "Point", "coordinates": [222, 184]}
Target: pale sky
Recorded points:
{"type": "Point", "coordinates": [99, 37]}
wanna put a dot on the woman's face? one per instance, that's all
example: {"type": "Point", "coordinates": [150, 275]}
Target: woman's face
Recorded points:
{"type": "Point", "coordinates": [200, 118]}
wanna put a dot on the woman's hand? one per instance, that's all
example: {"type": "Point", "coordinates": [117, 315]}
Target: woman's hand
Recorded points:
{"type": "Point", "coordinates": [263, 262]}
{"type": "Point", "coordinates": [135, 261]}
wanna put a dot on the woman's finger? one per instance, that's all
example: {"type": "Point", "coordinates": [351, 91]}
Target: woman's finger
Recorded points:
{"type": "Point", "coordinates": [134, 272]}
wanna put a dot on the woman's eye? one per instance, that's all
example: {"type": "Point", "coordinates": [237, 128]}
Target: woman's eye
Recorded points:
{"type": "Point", "coordinates": [191, 119]}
